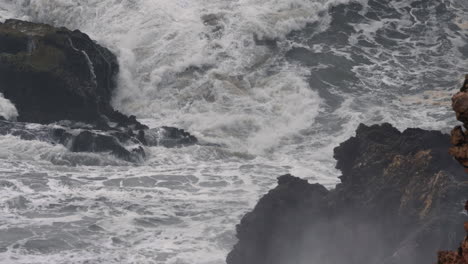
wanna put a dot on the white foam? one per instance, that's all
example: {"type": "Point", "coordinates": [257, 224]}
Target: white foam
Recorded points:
{"type": "Point", "coordinates": [157, 41]}
{"type": "Point", "coordinates": [7, 109]}
{"type": "Point", "coordinates": [212, 80]}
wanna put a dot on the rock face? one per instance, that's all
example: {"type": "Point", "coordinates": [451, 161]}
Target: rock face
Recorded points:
{"type": "Point", "coordinates": [398, 201]}
{"type": "Point", "coordinates": [52, 74]}
{"type": "Point", "coordinates": [459, 151]}
{"type": "Point", "coordinates": [459, 139]}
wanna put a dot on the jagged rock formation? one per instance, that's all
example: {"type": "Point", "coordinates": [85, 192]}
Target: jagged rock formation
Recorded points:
{"type": "Point", "coordinates": [398, 201]}
{"type": "Point", "coordinates": [459, 150]}
{"type": "Point", "coordinates": [52, 74]}
{"type": "Point", "coordinates": [459, 140]}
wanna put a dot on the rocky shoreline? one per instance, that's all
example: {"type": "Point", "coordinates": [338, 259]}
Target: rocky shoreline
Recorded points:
{"type": "Point", "coordinates": [64, 81]}
{"type": "Point", "coordinates": [398, 201]}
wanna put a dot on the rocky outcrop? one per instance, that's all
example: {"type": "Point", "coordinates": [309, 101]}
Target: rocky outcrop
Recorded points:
{"type": "Point", "coordinates": [52, 74]}
{"type": "Point", "coordinates": [459, 139]}
{"type": "Point", "coordinates": [459, 151]}
{"type": "Point", "coordinates": [55, 75]}
{"type": "Point", "coordinates": [398, 201]}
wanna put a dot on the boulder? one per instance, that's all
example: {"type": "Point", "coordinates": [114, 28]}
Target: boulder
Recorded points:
{"type": "Point", "coordinates": [398, 202]}
{"type": "Point", "coordinates": [52, 74]}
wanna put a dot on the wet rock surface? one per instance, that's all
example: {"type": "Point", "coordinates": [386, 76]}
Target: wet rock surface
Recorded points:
{"type": "Point", "coordinates": [399, 200]}
{"type": "Point", "coordinates": [52, 74]}
{"type": "Point", "coordinates": [124, 144]}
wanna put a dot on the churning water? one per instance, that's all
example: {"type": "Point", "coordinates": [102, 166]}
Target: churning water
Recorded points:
{"type": "Point", "coordinates": [275, 84]}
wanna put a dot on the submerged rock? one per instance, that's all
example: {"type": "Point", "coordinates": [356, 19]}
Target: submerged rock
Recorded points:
{"type": "Point", "coordinates": [398, 201]}
{"type": "Point", "coordinates": [18, 202]}
{"type": "Point", "coordinates": [52, 74]}
{"type": "Point", "coordinates": [168, 137]}
{"type": "Point", "coordinates": [124, 144]}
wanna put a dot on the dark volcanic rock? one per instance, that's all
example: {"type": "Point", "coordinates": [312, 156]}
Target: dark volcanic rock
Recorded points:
{"type": "Point", "coordinates": [78, 137]}
{"type": "Point", "coordinates": [53, 74]}
{"type": "Point", "coordinates": [79, 140]}
{"type": "Point", "coordinates": [287, 207]}
{"type": "Point", "coordinates": [88, 141]}
{"type": "Point", "coordinates": [399, 202]}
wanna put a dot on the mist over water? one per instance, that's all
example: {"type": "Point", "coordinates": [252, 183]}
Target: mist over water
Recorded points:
{"type": "Point", "coordinates": [274, 84]}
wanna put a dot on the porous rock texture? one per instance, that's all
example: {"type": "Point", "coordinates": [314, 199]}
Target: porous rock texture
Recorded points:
{"type": "Point", "coordinates": [459, 139]}
{"type": "Point", "coordinates": [398, 202]}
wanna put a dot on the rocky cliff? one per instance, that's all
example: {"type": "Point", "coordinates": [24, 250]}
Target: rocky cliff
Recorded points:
{"type": "Point", "coordinates": [459, 139]}
{"type": "Point", "coordinates": [459, 151]}
{"type": "Point", "coordinates": [398, 201]}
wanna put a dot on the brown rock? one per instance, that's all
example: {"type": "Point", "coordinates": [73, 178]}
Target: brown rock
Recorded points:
{"type": "Point", "coordinates": [449, 257]}
{"type": "Point", "coordinates": [464, 251]}
{"type": "Point", "coordinates": [455, 257]}
{"type": "Point", "coordinates": [460, 143]}
{"type": "Point", "coordinates": [460, 102]}
{"type": "Point", "coordinates": [460, 152]}
{"type": "Point", "coordinates": [457, 136]}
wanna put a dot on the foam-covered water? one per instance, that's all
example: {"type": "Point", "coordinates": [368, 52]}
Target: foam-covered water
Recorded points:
{"type": "Point", "coordinates": [276, 84]}
{"type": "Point", "coordinates": [7, 109]}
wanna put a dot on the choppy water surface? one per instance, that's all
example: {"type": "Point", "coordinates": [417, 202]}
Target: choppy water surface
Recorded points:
{"type": "Point", "coordinates": [277, 84]}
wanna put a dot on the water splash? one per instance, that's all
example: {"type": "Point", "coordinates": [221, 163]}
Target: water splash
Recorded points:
{"type": "Point", "coordinates": [7, 109]}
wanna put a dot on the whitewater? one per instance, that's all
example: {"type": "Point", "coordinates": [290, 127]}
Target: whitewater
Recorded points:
{"type": "Point", "coordinates": [268, 86]}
